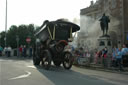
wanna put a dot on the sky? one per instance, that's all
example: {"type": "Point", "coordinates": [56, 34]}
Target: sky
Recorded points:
{"type": "Point", "coordinates": [36, 11]}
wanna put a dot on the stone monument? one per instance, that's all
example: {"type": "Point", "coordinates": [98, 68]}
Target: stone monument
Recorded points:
{"type": "Point", "coordinates": [104, 40]}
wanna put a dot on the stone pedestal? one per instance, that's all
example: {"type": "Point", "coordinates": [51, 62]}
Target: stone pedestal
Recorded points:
{"type": "Point", "coordinates": [105, 42]}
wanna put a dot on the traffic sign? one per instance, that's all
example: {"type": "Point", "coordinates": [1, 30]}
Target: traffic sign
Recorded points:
{"type": "Point", "coordinates": [28, 40]}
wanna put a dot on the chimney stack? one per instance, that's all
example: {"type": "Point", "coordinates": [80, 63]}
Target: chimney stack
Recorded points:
{"type": "Point", "coordinates": [92, 2]}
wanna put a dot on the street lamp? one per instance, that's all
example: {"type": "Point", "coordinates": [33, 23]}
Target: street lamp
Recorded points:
{"type": "Point", "coordinates": [6, 24]}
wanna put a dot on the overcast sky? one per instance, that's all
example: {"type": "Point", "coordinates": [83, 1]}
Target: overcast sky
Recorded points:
{"type": "Point", "coordinates": [36, 11]}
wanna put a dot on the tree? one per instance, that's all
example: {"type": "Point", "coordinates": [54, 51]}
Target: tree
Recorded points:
{"type": "Point", "coordinates": [2, 41]}
{"type": "Point", "coordinates": [11, 36]}
{"type": "Point", "coordinates": [25, 31]}
{"type": "Point", "coordinates": [31, 32]}
{"type": "Point", "coordinates": [22, 31]}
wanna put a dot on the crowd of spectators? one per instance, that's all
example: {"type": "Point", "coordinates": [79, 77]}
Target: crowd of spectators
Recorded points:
{"type": "Point", "coordinates": [22, 51]}
{"type": "Point", "coordinates": [25, 52]}
{"type": "Point", "coordinates": [5, 51]}
{"type": "Point", "coordinates": [117, 57]}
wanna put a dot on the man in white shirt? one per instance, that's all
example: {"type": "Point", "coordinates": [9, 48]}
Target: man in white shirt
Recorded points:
{"type": "Point", "coordinates": [124, 50]}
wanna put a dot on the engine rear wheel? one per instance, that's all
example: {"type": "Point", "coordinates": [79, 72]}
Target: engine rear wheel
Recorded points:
{"type": "Point", "coordinates": [68, 60]}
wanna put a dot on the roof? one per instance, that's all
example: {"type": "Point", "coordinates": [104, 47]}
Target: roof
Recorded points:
{"type": "Point", "coordinates": [61, 24]}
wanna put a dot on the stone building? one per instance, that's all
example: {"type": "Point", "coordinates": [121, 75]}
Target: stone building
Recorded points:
{"type": "Point", "coordinates": [90, 25]}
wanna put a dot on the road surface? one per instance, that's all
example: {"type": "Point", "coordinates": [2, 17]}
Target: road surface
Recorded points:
{"type": "Point", "coordinates": [14, 71]}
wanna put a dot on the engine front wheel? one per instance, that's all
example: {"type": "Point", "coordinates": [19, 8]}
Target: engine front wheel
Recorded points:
{"type": "Point", "coordinates": [46, 60]}
{"type": "Point", "coordinates": [36, 61]}
{"type": "Point", "coordinates": [68, 60]}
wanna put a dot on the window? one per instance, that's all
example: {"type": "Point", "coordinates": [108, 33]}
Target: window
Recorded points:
{"type": "Point", "coordinates": [109, 43]}
{"type": "Point", "coordinates": [102, 43]}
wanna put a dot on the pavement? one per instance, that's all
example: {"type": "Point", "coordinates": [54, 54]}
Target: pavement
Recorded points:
{"type": "Point", "coordinates": [100, 68]}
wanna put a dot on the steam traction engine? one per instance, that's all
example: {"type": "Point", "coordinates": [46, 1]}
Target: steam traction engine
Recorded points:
{"type": "Point", "coordinates": [51, 41]}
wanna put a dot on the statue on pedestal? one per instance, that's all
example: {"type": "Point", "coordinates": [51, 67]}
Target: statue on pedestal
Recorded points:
{"type": "Point", "coordinates": [104, 21]}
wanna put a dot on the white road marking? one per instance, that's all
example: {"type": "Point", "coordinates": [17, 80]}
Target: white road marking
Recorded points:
{"type": "Point", "coordinates": [22, 76]}
{"type": "Point", "coordinates": [2, 60]}
{"type": "Point", "coordinates": [31, 66]}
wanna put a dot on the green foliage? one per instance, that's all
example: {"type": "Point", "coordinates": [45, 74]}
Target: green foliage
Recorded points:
{"type": "Point", "coordinates": [22, 32]}
{"type": "Point", "coordinates": [11, 34]}
{"type": "Point", "coordinates": [2, 42]}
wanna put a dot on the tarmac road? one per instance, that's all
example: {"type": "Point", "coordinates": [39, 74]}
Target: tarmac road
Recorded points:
{"type": "Point", "coordinates": [14, 71]}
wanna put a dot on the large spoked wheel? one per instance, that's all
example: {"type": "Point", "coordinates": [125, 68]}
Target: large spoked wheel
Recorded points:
{"type": "Point", "coordinates": [36, 59]}
{"type": "Point", "coordinates": [46, 60]}
{"type": "Point", "coordinates": [68, 60]}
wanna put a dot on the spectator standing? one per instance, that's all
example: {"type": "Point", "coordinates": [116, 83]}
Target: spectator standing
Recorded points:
{"type": "Point", "coordinates": [104, 56]}
{"type": "Point", "coordinates": [88, 57]}
{"type": "Point", "coordinates": [30, 51]}
{"type": "Point", "coordinates": [96, 57]}
{"type": "Point", "coordinates": [6, 51]}
{"type": "Point", "coordinates": [1, 49]}
{"type": "Point", "coordinates": [81, 51]}
{"type": "Point", "coordinates": [72, 47]}
{"type": "Point", "coordinates": [124, 55]}
{"type": "Point", "coordinates": [9, 51]}
{"type": "Point", "coordinates": [114, 52]}
{"type": "Point", "coordinates": [21, 50]}
{"type": "Point", "coordinates": [24, 51]}
{"type": "Point", "coordinates": [124, 50]}
{"type": "Point", "coordinates": [119, 59]}
{"type": "Point", "coordinates": [78, 53]}
{"type": "Point", "coordinates": [100, 57]}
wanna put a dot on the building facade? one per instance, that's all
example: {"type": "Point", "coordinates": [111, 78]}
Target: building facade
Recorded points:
{"type": "Point", "coordinates": [118, 26]}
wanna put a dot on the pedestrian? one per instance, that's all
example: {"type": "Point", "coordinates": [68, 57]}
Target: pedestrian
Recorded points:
{"type": "Point", "coordinates": [100, 57]}
{"type": "Point", "coordinates": [124, 55]}
{"type": "Point", "coordinates": [114, 52]}
{"type": "Point", "coordinates": [104, 56]}
{"type": "Point", "coordinates": [81, 51]}
{"type": "Point", "coordinates": [124, 50]}
{"type": "Point", "coordinates": [30, 51]}
{"type": "Point", "coordinates": [88, 55]}
{"type": "Point", "coordinates": [119, 59]}
{"type": "Point", "coordinates": [96, 57]}
{"type": "Point", "coordinates": [9, 51]}
{"type": "Point", "coordinates": [24, 51]}
{"type": "Point", "coordinates": [21, 50]}
{"type": "Point", "coordinates": [1, 49]}
{"type": "Point", "coordinates": [78, 56]}
{"type": "Point", "coordinates": [6, 51]}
